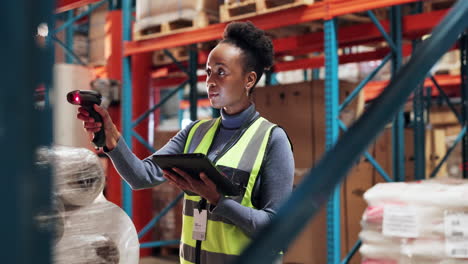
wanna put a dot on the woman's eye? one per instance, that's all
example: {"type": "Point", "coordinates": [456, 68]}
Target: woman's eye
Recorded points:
{"type": "Point", "coordinates": [221, 72]}
{"type": "Point", "coordinates": [208, 72]}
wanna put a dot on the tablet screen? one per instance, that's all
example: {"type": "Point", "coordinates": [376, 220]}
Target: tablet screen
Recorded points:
{"type": "Point", "coordinates": [194, 164]}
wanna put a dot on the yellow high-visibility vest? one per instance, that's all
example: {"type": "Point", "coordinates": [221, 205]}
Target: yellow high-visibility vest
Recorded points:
{"type": "Point", "coordinates": [241, 162]}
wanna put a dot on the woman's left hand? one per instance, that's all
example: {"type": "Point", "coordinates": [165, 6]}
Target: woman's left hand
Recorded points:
{"type": "Point", "coordinates": [205, 188]}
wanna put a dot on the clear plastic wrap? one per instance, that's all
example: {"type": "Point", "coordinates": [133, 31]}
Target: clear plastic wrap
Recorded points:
{"type": "Point", "coordinates": [445, 193]}
{"type": "Point", "coordinates": [79, 177]}
{"type": "Point", "coordinates": [417, 222]}
{"type": "Point", "coordinates": [98, 233]}
{"type": "Point", "coordinates": [89, 229]}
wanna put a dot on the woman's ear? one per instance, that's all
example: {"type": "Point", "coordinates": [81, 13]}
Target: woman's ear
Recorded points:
{"type": "Point", "coordinates": [251, 79]}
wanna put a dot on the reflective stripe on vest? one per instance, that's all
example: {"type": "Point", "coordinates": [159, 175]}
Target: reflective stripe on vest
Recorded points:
{"type": "Point", "coordinates": [224, 241]}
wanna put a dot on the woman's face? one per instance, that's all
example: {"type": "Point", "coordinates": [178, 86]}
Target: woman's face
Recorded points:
{"type": "Point", "coordinates": [226, 82]}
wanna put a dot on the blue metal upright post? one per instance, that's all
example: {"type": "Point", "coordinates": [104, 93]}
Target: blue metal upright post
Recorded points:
{"type": "Point", "coordinates": [464, 94]}
{"type": "Point", "coordinates": [270, 78]}
{"type": "Point", "coordinates": [69, 38]}
{"type": "Point", "coordinates": [25, 67]}
{"type": "Point", "coordinates": [180, 112]}
{"type": "Point", "coordinates": [332, 132]}
{"type": "Point", "coordinates": [419, 132]}
{"type": "Point", "coordinates": [398, 137]}
{"type": "Point", "coordinates": [193, 61]}
{"type": "Point", "coordinates": [315, 74]}
{"type": "Point", "coordinates": [419, 120]}
{"type": "Point", "coordinates": [215, 112]}
{"type": "Point", "coordinates": [127, 99]}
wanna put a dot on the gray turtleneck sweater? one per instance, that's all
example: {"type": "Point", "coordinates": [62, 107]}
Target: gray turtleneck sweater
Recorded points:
{"type": "Point", "coordinates": [273, 185]}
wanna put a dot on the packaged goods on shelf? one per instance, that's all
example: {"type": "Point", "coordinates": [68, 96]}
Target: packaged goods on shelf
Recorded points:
{"type": "Point", "coordinates": [448, 64]}
{"type": "Point", "coordinates": [157, 17]}
{"type": "Point", "coordinates": [88, 228]}
{"type": "Point", "coordinates": [416, 222]}
{"type": "Point", "coordinates": [236, 10]}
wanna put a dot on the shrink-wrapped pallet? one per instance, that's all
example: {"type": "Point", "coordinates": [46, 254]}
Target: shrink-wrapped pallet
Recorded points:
{"type": "Point", "coordinates": [79, 177]}
{"type": "Point", "coordinates": [417, 222]}
{"type": "Point", "coordinates": [88, 228]}
{"type": "Point", "coordinates": [158, 16]}
{"type": "Point", "coordinates": [97, 233]}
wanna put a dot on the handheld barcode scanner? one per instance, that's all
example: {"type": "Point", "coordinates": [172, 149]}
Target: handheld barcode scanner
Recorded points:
{"type": "Point", "coordinates": [87, 99]}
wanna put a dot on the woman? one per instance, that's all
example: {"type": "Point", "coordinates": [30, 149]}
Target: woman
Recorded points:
{"type": "Point", "coordinates": [251, 151]}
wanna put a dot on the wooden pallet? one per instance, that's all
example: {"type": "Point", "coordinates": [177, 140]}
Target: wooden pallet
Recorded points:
{"type": "Point", "coordinates": [240, 9]}
{"type": "Point", "coordinates": [160, 58]}
{"type": "Point", "coordinates": [202, 19]}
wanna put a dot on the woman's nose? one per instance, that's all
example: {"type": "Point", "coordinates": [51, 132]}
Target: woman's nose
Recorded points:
{"type": "Point", "coordinates": [209, 81]}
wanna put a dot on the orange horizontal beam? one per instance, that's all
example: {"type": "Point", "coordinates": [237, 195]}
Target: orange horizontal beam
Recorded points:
{"type": "Point", "coordinates": [212, 32]}
{"type": "Point", "coordinates": [292, 16]}
{"type": "Point", "coordinates": [162, 76]}
{"type": "Point", "coordinates": [309, 63]}
{"type": "Point", "coordinates": [449, 83]}
{"type": "Point", "coordinates": [65, 5]}
{"type": "Point", "coordinates": [343, 7]}
{"type": "Point", "coordinates": [413, 26]}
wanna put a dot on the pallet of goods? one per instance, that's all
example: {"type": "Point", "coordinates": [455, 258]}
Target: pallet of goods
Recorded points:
{"type": "Point", "coordinates": [416, 222]}
{"type": "Point", "coordinates": [240, 9]}
{"type": "Point", "coordinates": [155, 18]}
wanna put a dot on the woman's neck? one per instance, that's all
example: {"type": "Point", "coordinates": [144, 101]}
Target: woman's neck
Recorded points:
{"type": "Point", "coordinates": [236, 120]}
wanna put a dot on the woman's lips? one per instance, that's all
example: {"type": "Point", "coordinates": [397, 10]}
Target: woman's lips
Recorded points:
{"type": "Point", "coordinates": [212, 95]}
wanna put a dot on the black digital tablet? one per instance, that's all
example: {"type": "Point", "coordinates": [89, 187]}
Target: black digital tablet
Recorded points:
{"type": "Point", "coordinates": [194, 164]}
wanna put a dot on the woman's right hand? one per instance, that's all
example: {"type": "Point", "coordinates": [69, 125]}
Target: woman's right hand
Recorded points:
{"type": "Point", "coordinates": [91, 126]}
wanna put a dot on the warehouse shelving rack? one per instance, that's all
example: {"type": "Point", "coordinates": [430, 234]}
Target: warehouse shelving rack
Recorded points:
{"type": "Point", "coordinates": [331, 60]}
{"type": "Point", "coordinates": [326, 175]}
{"type": "Point", "coordinates": [415, 26]}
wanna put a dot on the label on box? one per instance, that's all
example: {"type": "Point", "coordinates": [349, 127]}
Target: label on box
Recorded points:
{"type": "Point", "coordinates": [199, 224]}
{"type": "Point", "coordinates": [456, 234]}
{"type": "Point", "coordinates": [400, 221]}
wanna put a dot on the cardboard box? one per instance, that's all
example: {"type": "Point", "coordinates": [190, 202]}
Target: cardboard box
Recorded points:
{"type": "Point", "coordinates": [442, 116]}
{"type": "Point", "coordinates": [299, 109]}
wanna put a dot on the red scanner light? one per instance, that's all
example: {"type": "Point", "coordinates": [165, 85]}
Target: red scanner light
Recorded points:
{"type": "Point", "coordinates": [77, 98]}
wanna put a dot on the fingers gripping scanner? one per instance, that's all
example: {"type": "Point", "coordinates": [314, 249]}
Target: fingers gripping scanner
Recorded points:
{"type": "Point", "coordinates": [87, 99]}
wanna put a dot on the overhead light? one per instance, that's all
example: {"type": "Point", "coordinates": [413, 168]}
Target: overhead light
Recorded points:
{"type": "Point", "coordinates": [426, 36]}
{"type": "Point", "coordinates": [43, 30]}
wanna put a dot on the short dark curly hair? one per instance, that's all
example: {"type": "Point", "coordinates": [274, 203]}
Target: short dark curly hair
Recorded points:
{"type": "Point", "coordinates": [257, 47]}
